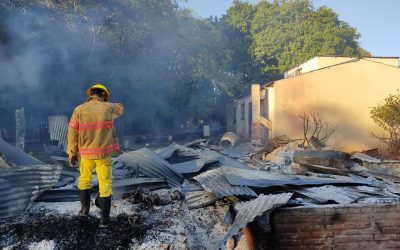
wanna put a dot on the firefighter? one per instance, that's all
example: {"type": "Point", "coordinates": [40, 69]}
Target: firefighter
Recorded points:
{"type": "Point", "coordinates": [92, 140]}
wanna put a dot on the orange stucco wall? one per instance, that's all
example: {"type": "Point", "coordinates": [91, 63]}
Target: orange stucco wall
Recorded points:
{"type": "Point", "coordinates": [343, 94]}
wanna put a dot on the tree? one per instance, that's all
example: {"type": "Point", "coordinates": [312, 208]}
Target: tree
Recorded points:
{"type": "Point", "coordinates": [151, 54]}
{"type": "Point", "coordinates": [285, 33]}
{"type": "Point", "coordinates": [316, 128]}
{"type": "Point", "coordinates": [236, 26]}
{"type": "Point", "coordinates": [387, 116]}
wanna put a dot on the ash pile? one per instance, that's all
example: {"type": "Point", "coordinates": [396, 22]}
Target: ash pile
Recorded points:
{"type": "Point", "coordinates": [191, 196]}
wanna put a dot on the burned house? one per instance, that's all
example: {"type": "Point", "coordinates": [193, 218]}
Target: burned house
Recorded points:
{"type": "Point", "coordinates": [342, 89]}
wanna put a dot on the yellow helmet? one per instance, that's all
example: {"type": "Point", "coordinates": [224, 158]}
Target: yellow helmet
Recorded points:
{"type": "Point", "coordinates": [99, 86]}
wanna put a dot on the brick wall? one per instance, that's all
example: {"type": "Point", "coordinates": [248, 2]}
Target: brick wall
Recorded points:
{"type": "Point", "coordinates": [357, 226]}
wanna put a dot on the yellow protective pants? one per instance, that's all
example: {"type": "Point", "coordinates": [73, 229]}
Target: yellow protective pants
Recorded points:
{"type": "Point", "coordinates": [104, 175]}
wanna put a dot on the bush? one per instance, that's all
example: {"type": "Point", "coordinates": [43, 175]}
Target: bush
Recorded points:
{"type": "Point", "coordinates": [387, 116]}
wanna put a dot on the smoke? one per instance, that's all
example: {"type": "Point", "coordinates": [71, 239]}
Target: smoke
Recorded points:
{"type": "Point", "coordinates": [152, 56]}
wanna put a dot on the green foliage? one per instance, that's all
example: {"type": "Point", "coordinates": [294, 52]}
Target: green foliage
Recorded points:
{"type": "Point", "coordinates": [387, 116]}
{"type": "Point", "coordinates": [165, 65]}
{"type": "Point", "coordinates": [285, 33]}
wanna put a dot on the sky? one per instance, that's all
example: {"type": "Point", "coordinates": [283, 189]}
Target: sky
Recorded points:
{"type": "Point", "coordinates": [376, 20]}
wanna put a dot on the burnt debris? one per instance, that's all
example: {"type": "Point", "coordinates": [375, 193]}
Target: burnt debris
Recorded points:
{"type": "Point", "coordinates": [247, 182]}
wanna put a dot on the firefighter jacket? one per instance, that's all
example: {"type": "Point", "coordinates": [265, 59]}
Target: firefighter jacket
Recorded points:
{"type": "Point", "coordinates": [91, 131]}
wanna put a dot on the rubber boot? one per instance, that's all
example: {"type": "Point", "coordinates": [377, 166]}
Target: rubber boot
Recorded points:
{"type": "Point", "coordinates": [85, 202]}
{"type": "Point", "coordinates": [105, 206]}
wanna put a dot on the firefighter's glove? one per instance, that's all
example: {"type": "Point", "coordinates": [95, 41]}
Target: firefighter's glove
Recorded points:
{"type": "Point", "coordinates": [73, 160]}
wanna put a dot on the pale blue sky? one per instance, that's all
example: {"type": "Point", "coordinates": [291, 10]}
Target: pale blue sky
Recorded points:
{"type": "Point", "coordinates": [376, 20]}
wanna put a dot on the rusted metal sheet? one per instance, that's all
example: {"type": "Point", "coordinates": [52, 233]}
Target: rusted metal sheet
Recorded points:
{"type": "Point", "coordinates": [256, 178]}
{"type": "Point", "coordinates": [15, 155]}
{"type": "Point", "coordinates": [58, 129]}
{"type": "Point", "coordinates": [248, 211]}
{"type": "Point", "coordinates": [214, 181]}
{"type": "Point", "coordinates": [150, 164]}
{"type": "Point", "coordinates": [20, 186]}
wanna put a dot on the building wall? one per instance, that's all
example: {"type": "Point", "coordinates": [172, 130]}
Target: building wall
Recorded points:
{"type": "Point", "coordinates": [370, 226]}
{"type": "Point", "coordinates": [343, 94]}
{"type": "Point", "coordinates": [239, 117]}
{"type": "Point", "coordinates": [393, 61]}
{"type": "Point", "coordinates": [316, 63]}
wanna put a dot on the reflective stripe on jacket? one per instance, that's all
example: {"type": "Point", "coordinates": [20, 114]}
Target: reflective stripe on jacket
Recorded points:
{"type": "Point", "coordinates": [91, 131]}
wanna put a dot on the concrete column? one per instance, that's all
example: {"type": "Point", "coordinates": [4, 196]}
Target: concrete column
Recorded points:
{"type": "Point", "coordinates": [20, 128]}
{"type": "Point", "coordinates": [271, 112]}
{"type": "Point", "coordinates": [256, 112]}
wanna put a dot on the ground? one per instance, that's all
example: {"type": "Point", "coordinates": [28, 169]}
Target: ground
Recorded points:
{"type": "Point", "coordinates": [140, 221]}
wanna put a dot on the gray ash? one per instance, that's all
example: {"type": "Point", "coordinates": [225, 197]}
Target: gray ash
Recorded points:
{"type": "Point", "coordinates": [72, 232]}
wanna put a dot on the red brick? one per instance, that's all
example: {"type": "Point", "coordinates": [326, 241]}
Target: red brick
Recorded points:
{"type": "Point", "coordinates": [352, 231]}
{"type": "Point", "coordinates": [387, 237]}
{"type": "Point", "coordinates": [391, 230]}
{"type": "Point", "coordinates": [360, 227]}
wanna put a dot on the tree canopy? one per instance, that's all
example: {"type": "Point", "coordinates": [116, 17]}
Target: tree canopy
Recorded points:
{"type": "Point", "coordinates": [286, 33]}
{"type": "Point", "coordinates": [167, 66]}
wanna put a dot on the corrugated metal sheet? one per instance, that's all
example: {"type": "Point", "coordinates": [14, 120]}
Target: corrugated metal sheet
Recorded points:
{"type": "Point", "coordinates": [248, 211]}
{"type": "Point", "coordinates": [256, 178]}
{"type": "Point", "coordinates": [19, 186]}
{"type": "Point", "coordinates": [238, 151]}
{"type": "Point", "coordinates": [119, 187]}
{"type": "Point", "coordinates": [195, 196]}
{"type": "Point", "coordinates": [59, 195]}
{"type": "Point", "coordinates": [327, 158]}
{"type": "Point", "coordinates": [128, 185]}
{"type": "Point", "coordinates": [189, 167]}
{"type": "Point", "coordinates": [16, 156]}
{"type": "Point", "coordinates": [183, 159]}
{"type": "Point", "coordinates": [365, 158]}
{"type": "Point", "coordinates": [195, 143]}
{"type": "Point", "coordinates": [172, 148]}
{"type": "Point", "coordinates": [150, 164]}
{"type": "Point", "coordinates": [331, 193]}
{"type": "Point", "coordinates": [213, 156]}
{"type": "Point", "coordinates": [200, 199]}
{"type": "Point", "coordinates": [58, 129]}
{"type": "Point", "coordinates": [214, 181]}
{"type": "Point", "coordinates": [191, 186]}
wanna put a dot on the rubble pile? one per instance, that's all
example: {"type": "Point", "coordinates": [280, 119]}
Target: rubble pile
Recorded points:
{"type": "Point", "coordinates": [198, 196]}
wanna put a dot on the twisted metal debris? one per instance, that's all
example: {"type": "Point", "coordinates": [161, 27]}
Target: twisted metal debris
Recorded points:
{"type": "Point", "coordinates": [58, 130]}
{"type": "Point", "coordinates": [214, 181]}
{"type": "Point", "coordinates": [19, 186]}
{"type": "Point", "coordinates": [150, 164]}
{"type": "Point", "coordinates": [15, 155]}
{"type": "Point", "coordinates": [248, 211]}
